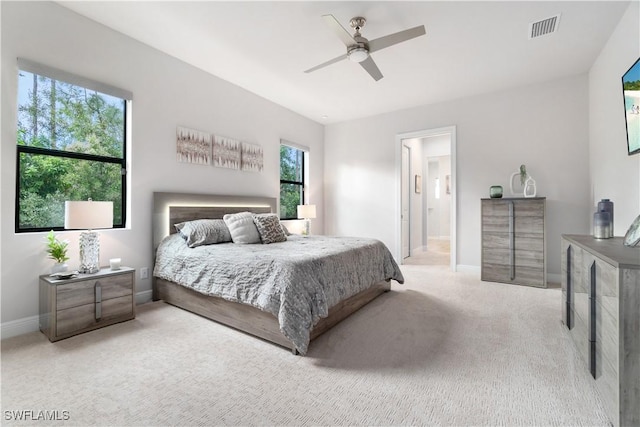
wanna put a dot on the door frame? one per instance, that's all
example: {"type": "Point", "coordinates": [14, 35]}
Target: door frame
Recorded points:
{"type": "Point", "coordinates": [406, 178]}
{"type": "Point", "coordinates": [451, 131]}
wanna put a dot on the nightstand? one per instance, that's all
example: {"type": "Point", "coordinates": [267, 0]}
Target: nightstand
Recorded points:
{"type": "Point", "coordinates": [86, 302]}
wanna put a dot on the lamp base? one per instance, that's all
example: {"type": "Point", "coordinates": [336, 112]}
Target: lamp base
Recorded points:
{"type": "Point", "coordinates": [307, 227]}
{"type": "Point", "coordinates": [89, 252]}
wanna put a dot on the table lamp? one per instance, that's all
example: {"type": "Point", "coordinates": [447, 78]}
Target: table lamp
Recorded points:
{"type": "Point", "coordinates": [88, 215]}
{"type": "Point", "coordinates": [306, 212]}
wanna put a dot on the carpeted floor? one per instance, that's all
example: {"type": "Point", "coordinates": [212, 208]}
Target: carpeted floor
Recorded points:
{"type": "Point", "coordinates": [437, 253]}
{"type": "Point", "coordinates": [443, 349]}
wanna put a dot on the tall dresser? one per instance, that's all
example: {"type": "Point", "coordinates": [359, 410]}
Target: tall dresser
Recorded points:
{"type": "Point", "coordinates": [513, 241]}
{"type": "Point", "coordinates": [601, 310]}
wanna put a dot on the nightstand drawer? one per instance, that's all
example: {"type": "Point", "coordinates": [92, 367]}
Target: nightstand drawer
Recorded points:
{"type": "Point", "coordinates": [81, 293]}
{"type": "Point", "coordinates": [84, 316]}
{"type": "Point", "coordinates": [86, 302]}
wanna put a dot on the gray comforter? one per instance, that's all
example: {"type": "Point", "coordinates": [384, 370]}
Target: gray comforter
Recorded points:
{"type": "Point", "coordinates": [297, 280]}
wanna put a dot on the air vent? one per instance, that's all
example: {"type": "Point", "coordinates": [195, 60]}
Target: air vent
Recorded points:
{"type": "Point", "coordinates": [544, 27]}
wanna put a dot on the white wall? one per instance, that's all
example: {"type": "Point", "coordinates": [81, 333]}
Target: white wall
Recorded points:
{"type": "Point", "coordinates": [167, 93]}
{"type": "Point", "coordinates": [544, 126]}
{"type": "Point", "coordinates": [614, 174]}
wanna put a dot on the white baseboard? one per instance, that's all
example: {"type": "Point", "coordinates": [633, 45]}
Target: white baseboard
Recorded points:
{"type": "Point", "coordinates": [26, 325]}
{"type": "Point", "coordinates": [474, 269]}
{"type": "Point", "coordinates": [554, 278]}
{"type": "Point", "coordinates": [471, 269]}
{"type": "Point", "coordinates": [144, 297]}
{"type": "Point", "coordinates": [20, 327]}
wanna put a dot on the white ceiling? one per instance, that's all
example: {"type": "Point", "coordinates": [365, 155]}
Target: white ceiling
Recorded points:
{"type": "Point", "coordinates": [470, 48]}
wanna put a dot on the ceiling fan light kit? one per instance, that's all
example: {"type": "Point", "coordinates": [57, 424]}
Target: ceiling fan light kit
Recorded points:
{"type": "Point", "coordinates": [358, 54]}
{"type": "Point", "coordinates": [359, 48]}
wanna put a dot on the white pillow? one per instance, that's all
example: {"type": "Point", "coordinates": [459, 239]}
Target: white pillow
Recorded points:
{"type": "Point", "coordinates": [242, 227]}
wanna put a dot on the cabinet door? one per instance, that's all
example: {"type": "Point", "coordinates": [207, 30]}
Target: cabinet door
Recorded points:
{"type": "Point", "coordinates": [528, 229]}
{"type": "Point", "coordinates": [578, 300]}
{"type": "Point", "coordinates": [602, 284]}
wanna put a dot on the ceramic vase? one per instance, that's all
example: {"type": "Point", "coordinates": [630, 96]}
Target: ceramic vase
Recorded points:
{"type": "Point", "coordinates": [59, 267]}
{"type": "Point", "coordinates": [515, 184]}
{"type": "Point", "coordinates": [530, 187]}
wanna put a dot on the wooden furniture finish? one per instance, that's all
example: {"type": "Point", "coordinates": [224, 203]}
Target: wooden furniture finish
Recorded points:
{"type": "Point", "coordinates": [86, 302]}
{"type": "Point", "coordinates": [513, 241]}
{"type": "Point", "coordinates": [252, 320]}
{"type": "Point", "coordinates": [243, 317]}
{"type": "Point", "coordinates": [601, 310]}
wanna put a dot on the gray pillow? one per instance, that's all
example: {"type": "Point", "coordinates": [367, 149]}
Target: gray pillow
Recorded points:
{"type": "Point", "coordinates": [242, 227]}
{"type": "Point", "coordinates": [269, 227]}
{"type": "Point", "coordinates": [204, 232]}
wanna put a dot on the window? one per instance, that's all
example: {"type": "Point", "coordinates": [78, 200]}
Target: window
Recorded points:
{"type": "Point", "coordinates": [71, 145]}
{"type": "Point", "coordinates": [292, 179]}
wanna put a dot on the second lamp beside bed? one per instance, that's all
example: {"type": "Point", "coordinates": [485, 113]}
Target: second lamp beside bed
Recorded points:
{"type": "Point", "coordinates": [306, 212]}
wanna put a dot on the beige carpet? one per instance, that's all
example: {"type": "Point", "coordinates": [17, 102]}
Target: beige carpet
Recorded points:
{"type": "Point", "coordinates": [444, 349]}
{"type": "Point", "coordinates": [436, 253]}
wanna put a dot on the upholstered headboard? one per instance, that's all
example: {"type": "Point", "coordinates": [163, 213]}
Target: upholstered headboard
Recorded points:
{"type": "Point", "coordinates": [172, 208]}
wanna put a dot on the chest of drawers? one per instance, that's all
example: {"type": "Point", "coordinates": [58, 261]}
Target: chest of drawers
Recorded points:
{"type": "Point", "coordinates": [86, 302]}
{"type": "Point", "coordinates": [513, 241]}
{"type": "Point", "coordinates": [601, 310]}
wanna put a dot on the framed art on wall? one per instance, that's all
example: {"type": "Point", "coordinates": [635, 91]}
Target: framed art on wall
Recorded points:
{"type": "Point", "coordinates": [226, 152]}
{"type": "Point", "coordinates": [193, 146]}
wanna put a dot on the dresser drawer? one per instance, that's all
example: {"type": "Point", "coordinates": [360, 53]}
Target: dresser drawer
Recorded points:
{"type": "Point", "coordinates": [580, 337]}
{"type": "Point", "coordinates": [522, 241]}
{"type": "Point", "coordinates": [83, 292]}
{"type": "Point", "coordinates": [524, 208]}
{"type": "Point", "coordinates": [523, 258]}
{"type": "Point", "coordinates": [521, 224]}
{"type": "Point", "coordinates": [74, 306]}
{"type": "Point", "coordinates": [84, 316]}
{"type": "Point", "coordinates": [530, 276]}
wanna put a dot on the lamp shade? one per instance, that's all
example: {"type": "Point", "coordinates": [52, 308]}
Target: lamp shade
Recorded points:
{"type": "Point", "coordinates": [306, 211]}
{"type": "Point", "coordinates": [88, 215]}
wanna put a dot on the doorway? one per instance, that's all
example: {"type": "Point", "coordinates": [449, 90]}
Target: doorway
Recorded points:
{"type": "Point", "coordinates": [427, 197]}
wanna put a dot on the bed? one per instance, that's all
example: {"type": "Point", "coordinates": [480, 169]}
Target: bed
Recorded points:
{"type": "Point", "coordinates": [287, 293]}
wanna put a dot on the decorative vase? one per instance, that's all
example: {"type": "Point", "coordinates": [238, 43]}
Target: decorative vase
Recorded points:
{"type": "Point", "coordinates": [517, 188]}
{"type": "Point", "coordinates": [607, 206]}
{"type": "Point", "coordinates": [602, 225]}
{"type": "Point", "coordinates": [530, 187]}
{"type": "Point", "coordinates": [59, 267]}
{"type": "Point", "coordinates": [495, 191]}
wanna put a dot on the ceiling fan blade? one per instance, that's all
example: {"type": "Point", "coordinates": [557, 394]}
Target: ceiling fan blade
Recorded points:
{"type": "Point", "coordinates": [371, 68]}
{"type": "Point", "coordinates": [339, 30]}
{"type": "Point", "coordinates": [395, 38]}
{"type": "Point", "coordinates": [329, 62]}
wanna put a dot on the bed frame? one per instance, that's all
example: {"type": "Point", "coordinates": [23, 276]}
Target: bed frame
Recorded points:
{"type": "Point", "coordinates": [172, 208]}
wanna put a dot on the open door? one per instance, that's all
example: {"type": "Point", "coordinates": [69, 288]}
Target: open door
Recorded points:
{"type": "Point", "coordinates": [406, 193]}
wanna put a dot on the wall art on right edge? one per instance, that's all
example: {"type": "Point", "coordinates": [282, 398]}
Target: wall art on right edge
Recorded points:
{"type": "Point", "coordinates": [193, 146]}
{"type": "Point", "coordinates": [252, 157]}
{"type": "Point", "coordinates": [631, 92]}
{"type": "Point", "coordinates": [226, 152]}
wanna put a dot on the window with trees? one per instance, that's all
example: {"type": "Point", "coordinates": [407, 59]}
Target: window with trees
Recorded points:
{"type": "Point", "coordinates": [292, 177]}
{"type": "Point", "coordinates": [71, 145]}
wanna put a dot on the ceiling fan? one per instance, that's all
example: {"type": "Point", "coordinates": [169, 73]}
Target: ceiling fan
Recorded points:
{"type": "Point", "coordinates": [359, 48]}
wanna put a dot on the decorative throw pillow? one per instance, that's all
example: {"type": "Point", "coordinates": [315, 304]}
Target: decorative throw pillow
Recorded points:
{"type": "Point", "coordinates": [269, 228]}
{"type": "Point", "coordinates": [204, 232]}
{"type": "Point", "coordinates": [242, 227]}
